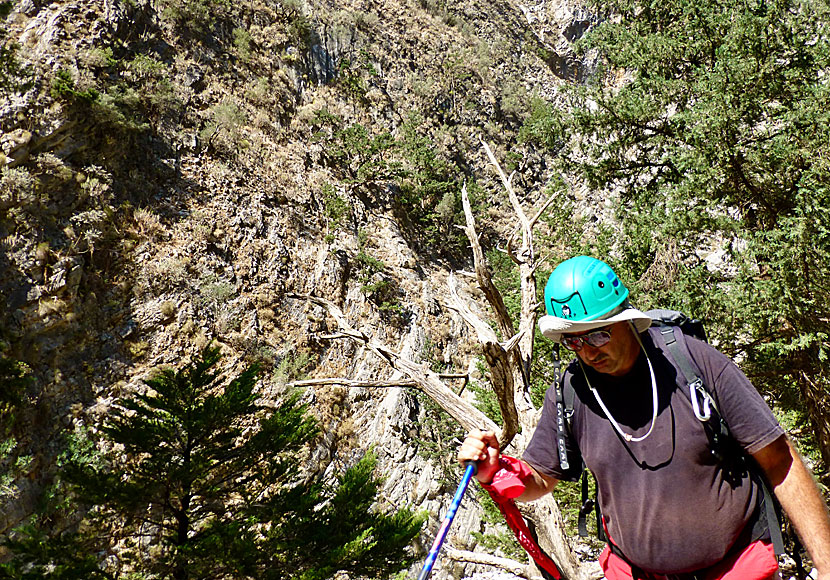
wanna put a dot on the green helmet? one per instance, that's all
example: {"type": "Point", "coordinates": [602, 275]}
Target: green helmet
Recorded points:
{"type": "Point", "coordinates": [583, 289]}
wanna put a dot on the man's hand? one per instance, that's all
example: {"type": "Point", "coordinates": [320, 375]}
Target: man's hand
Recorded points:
{"type": "Point", "coordinates": [482, 447]}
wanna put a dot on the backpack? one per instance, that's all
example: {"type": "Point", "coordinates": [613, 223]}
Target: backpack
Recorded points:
{"type": "Point", "coordinates": [674, 326]}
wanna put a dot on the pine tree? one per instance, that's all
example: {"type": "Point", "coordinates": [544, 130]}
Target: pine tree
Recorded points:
{"type": "Point", "coordinates": [198, 480]}
{"type": "Point", "coordinates": [15, 457]}
{"type": "Point", "coordinates": [14, 378]}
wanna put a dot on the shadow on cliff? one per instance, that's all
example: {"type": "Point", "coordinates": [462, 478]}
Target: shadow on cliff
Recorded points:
{"type": "Point", "coordinates": [72, 189]}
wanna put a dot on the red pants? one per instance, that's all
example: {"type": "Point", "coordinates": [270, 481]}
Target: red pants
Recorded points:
{"type": "Point", "coordinates": [756, 562]}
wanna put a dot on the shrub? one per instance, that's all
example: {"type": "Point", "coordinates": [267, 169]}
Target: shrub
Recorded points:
{"type": "Point", "coordinates": [10, 70]}
{"type": "Point", "coordinates": [199, 16]}
{"type": "Point", "coordinates": [63, 89]}
{"type": "Point", "coordinates": [223, 128]}
{"type": "Point", "coordinates": [242, 43]}
{"type": "Point", "coordinates": [194, 463]}
{"type": "Point", "coordinates": [335, 208]}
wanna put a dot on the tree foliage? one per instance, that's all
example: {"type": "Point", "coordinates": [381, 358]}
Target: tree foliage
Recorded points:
{"type": "Point", "coordinates": [201, 480]}
{"type": "Point", "coordinates": [425, 186]}
{"type": "Point", "coordinates": [9, 65]}
{"type": "Point", "coordinates": [14, 378]}
{"type": "Point", "coordinates": [709, 122]}
{"type": "Point", "coordinates": [15, 458]}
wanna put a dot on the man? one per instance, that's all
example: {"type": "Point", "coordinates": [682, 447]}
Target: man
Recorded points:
{"type": "Point", "coordinates": [671, 509]}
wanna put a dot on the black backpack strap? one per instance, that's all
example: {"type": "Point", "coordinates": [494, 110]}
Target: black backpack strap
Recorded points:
{"type": "Point", "coordinates": [570, 464]}
{"type": "Point", "coordinates": [800, 571]}
{"type": "Point", "coordinates": [721, 439]}
{"type": "Point", "coordinates": [773, 521]}
{"type": "Point", "coordinates": [689, 326]}
{"type": "Point", "coordinates": [679, 355]}
{"type": "Point", "coordinates": [588, 503]}
{"type": "Point", "coordinates": [565, 397]}
{"type": "Point", "coordinates": [562, 429]}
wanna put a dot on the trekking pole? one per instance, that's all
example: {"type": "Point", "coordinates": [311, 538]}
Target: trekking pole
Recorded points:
{"type": "Point", "coordinates": [445, 526]}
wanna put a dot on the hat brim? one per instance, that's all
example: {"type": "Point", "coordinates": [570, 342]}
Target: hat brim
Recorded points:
{"type": "Point", "coordinates": [553, 327]}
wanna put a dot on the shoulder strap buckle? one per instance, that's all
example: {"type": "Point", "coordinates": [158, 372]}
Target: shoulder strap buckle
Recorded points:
{"type": "Point", "coordinates": [702, 401]}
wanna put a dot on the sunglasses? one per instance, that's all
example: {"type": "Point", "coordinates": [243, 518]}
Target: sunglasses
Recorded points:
{"type": "Point", "coordinates": [595, 339]}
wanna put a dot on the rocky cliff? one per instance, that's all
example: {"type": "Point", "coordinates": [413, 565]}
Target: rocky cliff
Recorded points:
{"type": "Point", "coordinates": [174, 171]}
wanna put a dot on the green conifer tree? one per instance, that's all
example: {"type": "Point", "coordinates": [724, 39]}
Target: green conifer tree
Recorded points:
{"type": "Point", "coordinates": [14, 377]}
{"type": "Point", "coordinates": [709, 122]}
{"type": "Point", "coordinates": [200, 480]}
{"type": "Point", "coordinates": [15, 458]}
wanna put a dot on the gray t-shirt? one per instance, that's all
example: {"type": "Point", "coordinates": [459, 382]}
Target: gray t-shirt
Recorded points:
{"type": "Point", "coordinates": [666, 500]}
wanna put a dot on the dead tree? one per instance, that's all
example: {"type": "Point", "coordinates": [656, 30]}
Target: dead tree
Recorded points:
{"type": "Point", "coordinates": [508, 360]}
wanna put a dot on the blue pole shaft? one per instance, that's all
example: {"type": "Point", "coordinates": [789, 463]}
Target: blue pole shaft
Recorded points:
{"type": "Point", "coordinates": [445, 526]}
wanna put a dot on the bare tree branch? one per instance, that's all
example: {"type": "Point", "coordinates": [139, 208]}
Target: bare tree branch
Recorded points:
{"type": "Point", "coordinates": [334, 381]}
{"type": "Point", "coordinates": [524, 224]}
{"type": "Point", "coordinates": [485, 280]}
{"type": "Point", "coordinates": [544, 208]}
{"type": "Point", "coordinates": [353, 383]}
{"type": "Point", "coordinates": [511, 194]}
{"type": "Point", "coordinates": [508, 360]}
{"type": "Point", "coordinates": [498, 359]}
{"type": "Point", "coordinates": [512, 566]}
{"type": "Point", "coordinates": [462, 411]}
{"type": "Point", "coordinates": [510, 367]}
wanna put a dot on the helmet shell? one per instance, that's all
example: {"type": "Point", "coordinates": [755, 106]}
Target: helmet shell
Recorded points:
{"type": "Point", "coordinates": [582, 289]}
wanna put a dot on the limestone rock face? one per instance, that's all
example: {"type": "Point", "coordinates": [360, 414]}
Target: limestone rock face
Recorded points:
{"type": "Point", "coordinates": [172, 177]}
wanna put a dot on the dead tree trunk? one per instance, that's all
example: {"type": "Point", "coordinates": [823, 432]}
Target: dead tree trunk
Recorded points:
{"type": "Point", "coordinates": [508, 360]}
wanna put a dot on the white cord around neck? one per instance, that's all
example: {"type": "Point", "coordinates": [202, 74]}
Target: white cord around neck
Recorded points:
{"type": "Point", "coordinates": [623, 434]}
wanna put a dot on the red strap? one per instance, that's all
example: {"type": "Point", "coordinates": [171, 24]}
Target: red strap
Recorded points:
{"type": "Point", "coordinates": [508, 480]}
{"type": "Point", "coordinates": [507, 484]}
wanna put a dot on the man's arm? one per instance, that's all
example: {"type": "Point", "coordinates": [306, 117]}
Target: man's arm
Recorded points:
{"type": "Point", "coordinates": [483, 448]}
{"type": "Point", "coordinates": [798, 493]}
{"type": "Point", "coordinates": [540, 485]}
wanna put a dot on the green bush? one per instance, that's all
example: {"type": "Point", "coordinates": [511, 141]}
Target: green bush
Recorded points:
{"type": "Point", "coordinates": [10, 70]}
{"type": "Point", "coordinates": [199, 468]}
{"type": "Point", "coordinates": [199, 16]}
{"type": "Point", "coordinates": [15, 377]}
{"type": "Point", "coordinates": [335, 208]}
{"type": "Point", "coordinates": [351, 73]}
{"type": "Point", "coordinates": [381, 290]}
{"type": "Point", "coordinates": [224, 126]}
{"type": "Point", "coordinates": [362, 158]}
{"type": "Point", "coordinates": [242, 43]}
{"type": "Point", "coordinates": [429, 190]}
{"type": "Point", "coordinates": [63, 89]}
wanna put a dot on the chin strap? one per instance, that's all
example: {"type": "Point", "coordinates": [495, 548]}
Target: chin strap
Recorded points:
{"type": "Point", "coordinates": [628, 436]}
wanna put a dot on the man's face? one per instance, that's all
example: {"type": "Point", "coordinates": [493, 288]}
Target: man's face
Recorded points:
{"type": "Point", "coordinates": [617, 357]}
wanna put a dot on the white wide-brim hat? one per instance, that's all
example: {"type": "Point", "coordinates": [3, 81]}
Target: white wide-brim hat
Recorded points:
{"type": "Point", "coordinates": [553, 327]}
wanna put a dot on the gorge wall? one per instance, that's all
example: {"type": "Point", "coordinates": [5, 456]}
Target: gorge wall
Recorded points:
{"type": "Point", "coordinates": [173, 172]}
